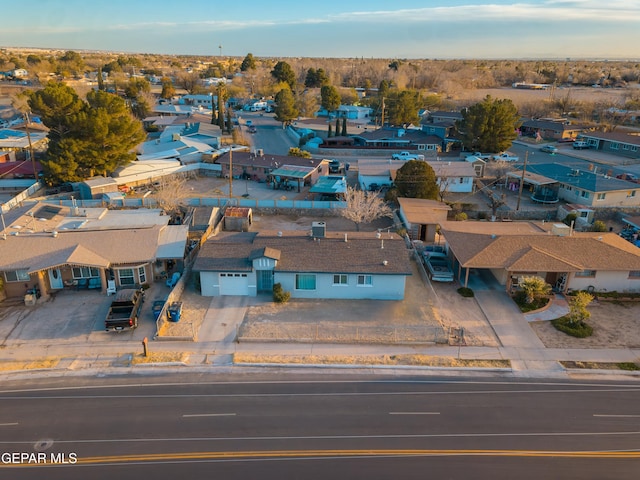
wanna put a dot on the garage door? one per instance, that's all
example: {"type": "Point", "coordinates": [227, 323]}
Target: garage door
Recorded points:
{"type": "Point", "coordinates": [234, 284]}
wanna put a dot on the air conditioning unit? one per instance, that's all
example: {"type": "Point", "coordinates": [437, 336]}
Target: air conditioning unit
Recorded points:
{"type": "Point", "coordinates": [318, 229]}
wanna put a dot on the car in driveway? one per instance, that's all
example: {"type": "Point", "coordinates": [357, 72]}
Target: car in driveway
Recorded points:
{"type": "Point", "coordinates": [549, 149]}
{"type": "Point", "coordinates": [580, 144]}
{"type": "Point", "coordinates": [439, 267]}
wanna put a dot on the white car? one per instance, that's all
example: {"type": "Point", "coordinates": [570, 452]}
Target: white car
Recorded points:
{"type": "Point", "coordinates": [549, 149]}
{"type": "Point", "coordinates": [506, 157]}
{"type": "Point", "coordinates": [580, 144]}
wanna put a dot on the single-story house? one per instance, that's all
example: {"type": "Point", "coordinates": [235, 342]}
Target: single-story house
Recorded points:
{"type": "Point", "coordinates": [565, 259]}
{"type": "Point", "coordinates": [51, 247]}
{"type": "Point", "coordinates": [615, 143]}
{"type": "Point", "coordinates": [317, 265]}
{"type": "Point", "coordinates": [261, 167]}
{"type": "Point", "coordinates": [18, 141]}
{"type": "Point", "coordinates": [399, 138]}
{"type": "Point", "coordinates": [550, 129]}
{"type": "Point", "coordinates": [422, 217]}
{"type": "Point", "coordinates": [589, 188]}
{"type": "Point", "coordinates": [455, 176]}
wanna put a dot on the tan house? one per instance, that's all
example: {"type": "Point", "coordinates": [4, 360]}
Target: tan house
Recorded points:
{"type": "Point", "coordinates": [50, 248]}
{"type": "Point", "coordinates": [567, 260]}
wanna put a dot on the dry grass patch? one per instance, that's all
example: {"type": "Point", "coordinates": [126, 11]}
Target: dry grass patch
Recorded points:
{"type": "Point", "coordinates": [29, 365]}
{"type": "Point", "coordinates": [159, 357]}
{"type": "Point", "coordinates": [416, 360]}
{"type": "Point", "coordinates": [629, 366]}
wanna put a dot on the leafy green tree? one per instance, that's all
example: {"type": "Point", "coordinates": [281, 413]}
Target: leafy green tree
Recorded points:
{"type": "Point", "coordinates": [137, 86]}
{"type": "Point", "coordinates": [534, 287]}
{"type": "Point", "coordinates": [316, 78]}
{"type": "Point", "coordinates": [33, 59]}
{"type": "Point", "coordinates": [249, 63]}
{"type": "Point", "coordinates": [85, 138]}
{"type": "Point", "coordinates": [489, 126]}
{"type": "Point", "coordinates": [286, 110]}
{"type": "Point", "coordinates": [71, 63]}
{"type": "Point", "coordinates": [416, 179]}
{"type": "Point", "coordinates": [403, 107]}
{"type": "Point", "coordinates": [394, 65]}
{"type": "Point", "coordinates": [330, 98]}
{"type": "Point", "coordinates": [283, 72]}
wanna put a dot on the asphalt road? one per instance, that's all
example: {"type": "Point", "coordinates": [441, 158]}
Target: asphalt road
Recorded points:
{"type": "Point", "coordinates": [269, 136]}
{"type": "Point", "coordinates": [200, 426]}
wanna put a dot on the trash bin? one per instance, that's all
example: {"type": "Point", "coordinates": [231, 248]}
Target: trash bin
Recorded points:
{"type": "Point", "coordinates": [157, 308]}
{"type": "Point", "coordinates": [174, 311]}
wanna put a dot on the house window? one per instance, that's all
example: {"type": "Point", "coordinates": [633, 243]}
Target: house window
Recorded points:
{"type": "Point", "coordinates": [614, 146]}
{"type": "Point", "coordinates": [125, 275]}
{"type": "Point", "coordinates": [365, 280]}
{"type": "Point", "coordinates": [17, 276]}
{"type": "Point", "coordinates": [85, 272]}
{"type": "Point", "coordinates": [340, 279]}
{"type": "Point", "coordinates": [632, 193]}
{"type": "Point", "coordinates": [586, 273]}
{"type": "Point", "coordinates": [601, 196]}
{"type": "Point", "coordinates": [142, 274]}
{"type": "Point", "coordinates": [584, 194]}
{"type": "Point", "coordinates": [635, 274]}
{"type": "Point", "coordinates": [305, 281]}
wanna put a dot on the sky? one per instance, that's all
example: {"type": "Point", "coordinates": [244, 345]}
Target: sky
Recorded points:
{"type": "Point", "coordinates": [429, 29]}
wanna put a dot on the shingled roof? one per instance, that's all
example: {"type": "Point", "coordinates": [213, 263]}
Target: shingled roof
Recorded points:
{"type": "Point", "coordinates": [544, 252]}
{"type": "Point", "coordinates": [299, 252]}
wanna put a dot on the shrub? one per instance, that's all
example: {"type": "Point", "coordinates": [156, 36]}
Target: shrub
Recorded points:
{"type": "Point", "coordinates": [279, 295]}
{"type": "Point", "coordinates": [570, 218]}
{"type": "Point", "coordinates": [628, 366]}
{"type": "Point", "coordinates": [521, 300]}
{"type": "Point", "coordinates": [599, 226]}
{"type": "Point", "coordinates": [460, 217]}
{"type": "Point", "coordinates": [575, 329]}
{"type": "Point", "coordinates": [466, 292]}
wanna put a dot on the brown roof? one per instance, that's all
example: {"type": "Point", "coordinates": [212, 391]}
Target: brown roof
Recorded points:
{"type": "Point", "coordinates": [423, 212]}
{"type": "Point", "coordinates": [545, 252]}
{"type": "Point", "coordinates": [299, 252]}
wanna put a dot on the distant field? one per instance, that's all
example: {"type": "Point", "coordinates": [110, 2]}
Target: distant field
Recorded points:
{"type": "Point", "coordinates": [521, 96]}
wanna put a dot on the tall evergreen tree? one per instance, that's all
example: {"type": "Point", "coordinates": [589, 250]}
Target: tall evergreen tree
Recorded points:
{"type": "Point", "coordinates": [283, 72]}
{"type": "Point", "coordinates": [249, 63]}
{"type": "Point", "coordinates": [416, 179]}
{"type": "Point", "coordinates": [330, 98]}
{"type": "Point", "coordinates": [286, 110]}
{"type": "Point", "coordinates": [344, 127]}
{"type": "Point", "coordinates": [221, 98]}
{"type": "Point", "coordinates": [489, 126]}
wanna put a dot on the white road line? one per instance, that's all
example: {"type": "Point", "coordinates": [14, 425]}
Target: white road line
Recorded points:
{"type": "Point", "coordinates": [209, 415]}
{"type": "Point", "coordinates": [414, 413]}
{"type": "Point", "coordinates": [8, 424]}
{"type": "Point", "coordinates": [616, 416]}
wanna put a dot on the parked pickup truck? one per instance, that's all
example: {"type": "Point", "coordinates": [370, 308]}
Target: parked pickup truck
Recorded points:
{"type": "Point", "coordinates": [482, 156]}
{"type": "Point", "coordinates": [124, 310]}
{"type": "Point", "coordinates": [439, 267]}
{"type": "Point", "coordinates": [506, 157]}
{"type": "Point", "coordinates": [407, 156]}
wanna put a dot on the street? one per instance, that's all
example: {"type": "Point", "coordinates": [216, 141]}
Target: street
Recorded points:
{"type": "Point", "coordinates": [320, 427]}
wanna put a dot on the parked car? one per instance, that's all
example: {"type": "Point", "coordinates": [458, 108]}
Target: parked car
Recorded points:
{"type": "Point", "coordinates": [439, 267]}
{"type": "Point", "coordinates": [432, 249]}
{"type": "Point", "coordinates": [335, 166]}
{"type": "Point", "coordinates": [252, 129]}
{"type": "Point", "coordinates": [506, 157]}
{"type": "Point", "coordinates": [580, 144]}
{"type": "Point", "coordinates": [549, 149]}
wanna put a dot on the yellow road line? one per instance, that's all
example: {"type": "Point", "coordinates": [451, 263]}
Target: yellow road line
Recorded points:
{"type": "Point", "coordinates": [155, 457]}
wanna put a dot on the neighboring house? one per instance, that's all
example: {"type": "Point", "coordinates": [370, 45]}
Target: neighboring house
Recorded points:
{"type": "Point", "coordinates": [328, 265]}
{"type": "Point", "coordinates": [51, 247]}
{"type": "Point", "coordinates": [205, 101]}
{"type": "Point", "coordinates": [184, 143]}
{"type": "Point", "coordinates": [614, 143]}
{"type": "Point", "coordinates": [422, 217]}
{"type": "Point", "coordinates": [18, 141]}
{"type": "Point", "coordinates": [551, 129]}
{"type": "Point", "coordinates": [297, 171]}
{"type": "Point", "coordinates": [457, 176]}
{"type": "Point", "coordinates": [566, 260]}
{"type": "Point", "coordinates": [589, 188]}
{"type": "Point", "coordinates": [19, 73]}
{"type": "Point", "coordinates": [399, 138]}
{"type": "Point", "coordinates": [352, 112]}
{"type": "Point", "coordinates": [442, 124]}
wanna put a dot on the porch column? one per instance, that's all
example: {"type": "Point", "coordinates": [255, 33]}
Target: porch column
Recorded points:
{"type": "Point", "coordinates": [103, 280]}
{"type": "Point", "coordinates": [466, 278]}
{"type": "Point", "coordinates": [42, 285]}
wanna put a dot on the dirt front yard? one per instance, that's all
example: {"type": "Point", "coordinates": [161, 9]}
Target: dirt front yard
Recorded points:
{"type": "Point", "coordinates": [615, 325]}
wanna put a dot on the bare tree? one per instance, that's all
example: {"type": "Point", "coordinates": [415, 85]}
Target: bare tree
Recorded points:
{"type": "Point", "coordinates": [364, 207]}
{"type": "Point", "coordinates": [171, 194]}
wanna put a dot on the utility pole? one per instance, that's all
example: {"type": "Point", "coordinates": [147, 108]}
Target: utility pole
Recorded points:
{"type": "Point", "coordinates": [231, 172]}
{"type": "Point", "coordinates": [382, 122]}
{"type": "Point", "coordinates": [524, 169]}
{"type": "Point", "coordinates": [33, 160]}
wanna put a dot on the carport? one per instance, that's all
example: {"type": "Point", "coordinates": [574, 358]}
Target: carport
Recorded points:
{"type": "Point", "coordinates": [543, 189]}
{"type": "Point", "coordinates": [281, 176]}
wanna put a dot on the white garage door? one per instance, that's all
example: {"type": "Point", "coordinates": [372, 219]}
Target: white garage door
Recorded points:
{"type": "Point", "coordinates": [234, 284]}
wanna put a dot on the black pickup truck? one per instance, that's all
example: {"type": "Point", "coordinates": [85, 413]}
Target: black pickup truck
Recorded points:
{"type": "Point", "coordinates": [124, 310]}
